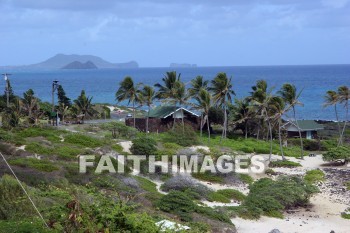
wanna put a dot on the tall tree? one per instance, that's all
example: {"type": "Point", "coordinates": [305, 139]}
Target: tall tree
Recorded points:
{"type": "Point", "coordinates": [148, 95]}
{"type": "Point", "coordinates": [204, 103]}
{"type": "Point", "coordinates": [240, 113]}
{"type": "Point", "coordinates": [167, 91]}
{"type": "Point", "coordinates": [181, 98]}
{"type": "Point", "coordinates": [30, 102]}
{"type": "Point", "coordinates": [84, 105]}
{"type": "Point", "coordinates": [290, 96]}
{"type": "Point", "coordinates": [198, 84]}
{"type": "Point", "coordinates": [279, 108]}
{"type": "Point", "coordinates": [221, 87]}
{"type": "Point", "coordinates": [343, 98]}
{"type": "Point", "coordinates": [62, 98]}
{"type": "Point", "coordinates": [331, 98]}
{"type": "Point", "coordinates": [128, 91]}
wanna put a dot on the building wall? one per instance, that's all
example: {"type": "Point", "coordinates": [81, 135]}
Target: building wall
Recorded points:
{"type": "Point", "coordinates": [160, 124]}
{"type": "Point", "coordinates": [292, 134]}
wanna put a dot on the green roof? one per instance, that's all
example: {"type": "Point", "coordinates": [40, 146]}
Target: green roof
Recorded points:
{"type": "Point", "coordinates": [165, 111]}
{"type": "Point", "coordinates": [306, 125]}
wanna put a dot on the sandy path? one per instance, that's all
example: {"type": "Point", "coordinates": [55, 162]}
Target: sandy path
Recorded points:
{"type": "Point", "coordinates": [323, 218]}
{"type": "Point", "coordinates": [126, 146]}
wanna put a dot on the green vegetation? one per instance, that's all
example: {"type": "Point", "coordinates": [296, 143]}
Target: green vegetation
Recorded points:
{"type": "Point", "coordinates": [232, 194]}
{"type": "Point", "coordinates": [38, 164]}
{"type": "Point", "coordinates": [314, 176]}
{"type": "Point", "coordinates": [143, 146]}
{"type": "Point", "coordinates": [182, 136]}
{"type": "Point", "coordinates": [218, 197]}
{"type": "Point", "coordinates": [346, 214]}
{"type": "Point", "coordinates": [83, 140]}
{"type": "Point", "coordinates": [271, 198]}
{"type": "Point", "coordinates": [347, 185]}
{"type": "Point", "coordinates": [245, 178]}
{"type": "Point", "coordinates": [208, 176]}
{"type": "Point", "coordinates": [284, 163]}
{"type": "Point", "coordinates": [337, 154]}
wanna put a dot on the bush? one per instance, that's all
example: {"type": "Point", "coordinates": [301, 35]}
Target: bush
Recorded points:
{"type": "Point", "coordinates": [232, 194]}
{"type": "Point", "coordinates": [284, 163]}
{"type": "Point", "coordinates": [37, 148]}
{"type": "Point", "coordinates": [245, 178]}
{"type": "Point", "coordinates": [143, 146]}
{"type": "Point", "coordinates": [182, 137]}
{"type": "Point", "coordinates": [218, 197]}
{"type": "Point", "coordinates": [347, 184]}
{"type": "Point", "coordinates": [314, 176]}
{"type": "Point", "coordinates": [272, 197]}
{"type": "Point", "coordinates": [183, 183]}
{"type": "Point", "coordinates": [208, 176]}
{"type": "Point", "coordinates": [38, 164]}
{"type": "Point", "coordinates": [270, 172]}
{"type": "Point", "coordinates": [120, 129]}
{"type": "Point", "coordinates": [50, 134]}
{"type": "Point", "coordinates": [13, 202]}
{"type": "Point", "coordinates": [178, 203]}
{"type": "Point", "coordinates": [83, 140]}
{"type": "Point", "coordinates": [346, 214]}
{"type": "Point", "coordinates": [338, 153]}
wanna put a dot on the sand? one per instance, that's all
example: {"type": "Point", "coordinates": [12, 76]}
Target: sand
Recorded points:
{"type": "Point", "coordinates": [126, 145]}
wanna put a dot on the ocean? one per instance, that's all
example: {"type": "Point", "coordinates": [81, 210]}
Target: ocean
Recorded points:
{"type": "Point", "coordinates": [102, 84]}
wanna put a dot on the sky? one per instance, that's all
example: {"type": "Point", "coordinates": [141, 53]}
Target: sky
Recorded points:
{"type": "Point", "coordinates": [156, 33]}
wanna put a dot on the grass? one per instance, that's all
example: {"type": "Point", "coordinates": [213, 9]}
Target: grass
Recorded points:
{"type": "Point", "coordinates": [232, 194]}
{"type": "Point", "coordinates": [314, 176]}
{"type": "Point", "coordinates": [245, 178]}
{"type": "Point", "coordinates": [284, 163]}
{"type": "Point", "coordinates": [40, 165]}
{"type": "Point", "coordinates": [346, 214]}
{"type": "Point", "coordinates": [209, 177]}
{"type": "Point", "coordinates": [218, 197]}
{"type": "Point", "coordinates": [83, 140]}
{"type": "Point", "coordinates": [347, 185]}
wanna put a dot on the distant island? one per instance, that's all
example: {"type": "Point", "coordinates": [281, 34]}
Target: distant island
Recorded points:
{"type": "Point", "coordinates": [184, 65]}
{"type": "Point", "coordinates": [60, 61]}
{"type": "Point", "coordinates": [80, 65]}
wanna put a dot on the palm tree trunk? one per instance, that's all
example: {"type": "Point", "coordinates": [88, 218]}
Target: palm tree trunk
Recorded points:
{"type": "Point", "coordinates": [225, 123]}
{"type": "Point", "coordinates": [280, 138]}
{"type": "Point", "coordinates": [174, 117]}
{"type": "Point", "coordinates": [338, 123]}
{"type": "Point", "coordinates": [257, 134]}
{"type": "Point", "coordinates": [149, 108]}
{"type": "Point", "coordinates": [133, 109]}
{"type": "Point", "coordinates": [208, 127]}
{"type": "Point", "coordinates": [301, 139]}
{"type": "Point", "coordinates": [201, 126]}
{"type": "Point", "coordinates": [246, 129]}
{"type": "Point", "coordinates": [346, 120]}
{"type": "Point", "coordinates": [183, 123]}
{"type": "Point", "coordinates": [270, 130]}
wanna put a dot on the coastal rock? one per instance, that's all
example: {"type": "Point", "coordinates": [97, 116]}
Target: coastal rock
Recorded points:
{"type": "Point", "coordinates": [275, 231]}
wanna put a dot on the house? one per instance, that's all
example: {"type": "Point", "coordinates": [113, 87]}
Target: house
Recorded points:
{"type": "Point", "coordinates": [308, 128]}
{"type": "Point", "coordinates": [161, 119]}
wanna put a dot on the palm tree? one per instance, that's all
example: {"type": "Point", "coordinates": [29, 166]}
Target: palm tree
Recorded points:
{"type": "Point", "coordinates": [290, 96]}
{"type": "Point", "coordinates": [30, 102]}
{"type": "Point", "coordinates": [148, 95]}
{"type": "Point", "coordinates": [265, 106]}
{"type": "Point", "coordinates": [241, 113]}
{"type": "Point", "coordinates": [84, 105]}
{"type": "Point", "coordinates": [258, 94]}
{"type": "Point", "coordinates": [181, 97]}
{"type": "Point", "coordinates": [222, 91]}
{"type": "Point", "coordinates": [197, 84]}
{"type": "Point", "coordinates": [128, 91]}
{"type": "Point", "coordinates": [279, 108]}
{"type": "Point", "coordinates": [331, 98]}
{"type": "Point", "coordinates": [167, 91]}
{"type": "Point", "coordinates": [343, 98]}
{"type": "Point", "coordinates": [63, 110]}
{"type": "Point", "coordinates": [204, 103]}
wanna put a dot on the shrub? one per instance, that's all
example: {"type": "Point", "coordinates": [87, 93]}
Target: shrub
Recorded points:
{"type": "Point", "coordinates": [270, 197]}
{"type": "Point", "coordinates": [40, 165]}
{"type": "Point", "coordinates": [13, 202]}
{"type": "Point", "coordinates": [37, 148]}
{"type": "Point", "coordinates": [83, 140]}
{"type": "Point", "coordinates": [208, 176]}
{"type": "Point", "coordinates": [143, 146]}
{"type": "Point", "coordinates": [120, 129]}
{"type": "Point", "coordinates": [346, 214]}
{"type": "Point", "coordinates": [347, 184]}
{"type": "Point", "coordinates": [7, 149]}
{"type": "Point", "coordinates": [232, 194]}
{"type": "Point", "coordinates": [24, 226]}
{"type": "Point", "coordinates": [245, 178]}
{"type": "Point", "coordinates": [182, 137]}
{"type": "Point", "coordinates": [178, 203]}
{"type": "Point", "coordinates": [183, 183]}
{"type": "Point", "coordinates": [218, 197]}
{"type": "Point", "coordinates": [338, 153]}
{"type": "Point", "coordinates": [67, 153]}
{"type": "Point", "coordinates": [50, 134]}
{"type": "Point", "coordinates": [270, 171]}
{"type": "Point", "coordinates": [314, 176]}
{"type": "Point", "coordinates": [284, 163]}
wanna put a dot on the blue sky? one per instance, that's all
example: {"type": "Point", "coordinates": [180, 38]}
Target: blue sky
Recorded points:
{"type": "Point", "coordinates": [157, 32]}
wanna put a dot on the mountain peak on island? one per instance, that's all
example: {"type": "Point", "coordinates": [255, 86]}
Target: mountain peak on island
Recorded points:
{"type": "Point", "coordinates": [80, 65]}
{"type": "Point", "coordinates": [61, 60]}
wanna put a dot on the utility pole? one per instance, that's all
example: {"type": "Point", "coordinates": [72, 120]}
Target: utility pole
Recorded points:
{"type": "Point", "coordinates": [54, 88]}
{"type": "Point", "coordinates": [7, 89]}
